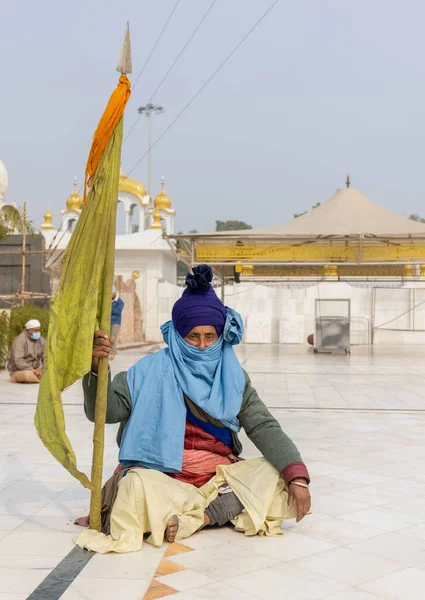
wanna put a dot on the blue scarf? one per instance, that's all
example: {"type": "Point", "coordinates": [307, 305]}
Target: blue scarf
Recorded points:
{"type": "Point", "coordinates": [212, 378]}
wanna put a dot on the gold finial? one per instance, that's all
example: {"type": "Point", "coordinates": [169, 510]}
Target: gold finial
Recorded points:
{"type": "Point", "coordinates": [74, 201]}
{"type": "Point", "coordinates": [348, 182]}
{"type": "Point", "coordinates": [156, 215]}
{"type": "Point", "coordinates": [162, 201]}
{"type": "Point", "coordinates": [47, 220]}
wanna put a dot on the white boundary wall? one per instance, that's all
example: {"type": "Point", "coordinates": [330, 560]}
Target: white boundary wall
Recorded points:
{"type": "Point", "coordinates": [283, 313]}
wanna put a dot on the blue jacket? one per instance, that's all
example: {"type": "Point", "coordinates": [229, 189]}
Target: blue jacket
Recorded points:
{"type": "Point", "coordinates": [116, 311]}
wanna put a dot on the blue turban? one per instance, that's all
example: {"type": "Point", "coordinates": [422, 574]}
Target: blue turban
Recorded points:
{"type": "Point", "coordinates": [199, 304]}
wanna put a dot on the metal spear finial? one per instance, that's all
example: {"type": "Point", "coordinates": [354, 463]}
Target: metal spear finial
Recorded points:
{"type": "Point", "coordinates": [124, 61]}
{"type": "Point", "coordinates": [347, 183]}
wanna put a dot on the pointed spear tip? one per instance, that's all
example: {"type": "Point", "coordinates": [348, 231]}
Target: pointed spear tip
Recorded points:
{"type": "Point", "coordinates": [124, 61]}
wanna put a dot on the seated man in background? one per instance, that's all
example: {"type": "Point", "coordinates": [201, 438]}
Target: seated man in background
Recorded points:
{"type": "Point", "coordinates": [26, 358]}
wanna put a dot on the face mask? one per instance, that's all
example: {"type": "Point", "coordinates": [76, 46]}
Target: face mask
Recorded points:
{"type": "Point", "coordinates": [35, 335]}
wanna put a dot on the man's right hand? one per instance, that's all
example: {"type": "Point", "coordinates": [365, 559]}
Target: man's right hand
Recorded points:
{"type": "Point", "coordinates": [102, 345]}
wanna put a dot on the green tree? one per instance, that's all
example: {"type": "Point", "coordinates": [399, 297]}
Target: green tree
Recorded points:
{"type": "Point", "coordinates": [231, 225]}
{"type": "Point", "coordinates": [296, 215]}
{"type": "Point", "coordinates": [417, 218]}
{"type": "Point", "coordinates": [12, 220]}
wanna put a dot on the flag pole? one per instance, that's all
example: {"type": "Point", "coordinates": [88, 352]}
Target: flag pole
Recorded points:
{"type": "Point", "coordinates": [123, 67]}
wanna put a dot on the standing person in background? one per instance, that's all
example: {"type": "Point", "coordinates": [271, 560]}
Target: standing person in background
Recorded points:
{"type": "Point", "coordinates": [116, 314]}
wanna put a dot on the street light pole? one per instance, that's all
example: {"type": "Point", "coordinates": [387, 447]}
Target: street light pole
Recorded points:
{"type": "Point", "coordinates": [149, 110]}
{"type": "Point", "coordinates": [149, 151]}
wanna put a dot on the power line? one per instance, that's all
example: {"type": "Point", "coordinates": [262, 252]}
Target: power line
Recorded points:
{"type": "Point", "coordinates": [228, 57]}
{"type": "Point", "coordinates": [192, 35]}
{"type": "Point", "coordinates": [145, 65]}
{"type": "Point", "coordinates": [156, 44]}
{"type": "Point", "coordinates": [182, 50]}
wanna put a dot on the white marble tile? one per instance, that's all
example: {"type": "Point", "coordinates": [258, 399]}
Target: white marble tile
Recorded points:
{"type": "Point", "coordinates": [407, 584]}
{"type": "Point", "coordinates": [213, 591]}
{"type": "Point", "coordinates": [27, 561]}
{"type": "Point", "coordinates": [8, 596]}
{"type": "Point", "coordinates": [385, 519]}
{"type": "Point", "coordinates": [214, 536]}
{"type": "Point", "coordinates": [30, 542]}
{"type": "Point", "coordinates": [284, 548]}
{"type": "Point", "coordinates": [417, 531]}
{"type": "Point", "coordinates": [228, 562]}
{"type": "Point", "coordinates": [285, 581]}
{"type": "Point", "coordinates": [406, 550]}
{"type": "Point", "coordinates": [50, 524]}
{"type": "Point", "coordinates": [21, 581]}
{"type": "Point", "coordinates": [306, 522]}
{"type": "Point", "coordinates": [6, 480]}
{"type": "Point", "coordinates": [316, 469]}
{"type": "Point", "coordinates": [10, 522]}
{"type": "Point", "coordinates": [331, 486]}
{"type": "Point", "coordinates": [349, 566]}
{"type": "Point", "coordinates": [185, 580]}
{"type": "Point", "coordinates": [339, 531]}
{"type": "Point", "coordinates": [133, 565]}
{"type": "Point", "coordinates": [87, 588]}
{"type": "Point", "coordinates": [411, 506]}
{"type": "Point", "coordinates": [361, 477]}
{"type": "Point", "coordinates": [412, 486]}
{"type": "Point", "coordinates": [373, 495]}
{"type": "Point", "coordinates": [26, 498]}
{"type": "Point", "coordinates": [335, 506]}
{"type": "Point", "coordinates": [64, 508]}
{"type": "Point", "coordinates": [353, 594]}
{"type": "Point", "coordinates": [51, 472]}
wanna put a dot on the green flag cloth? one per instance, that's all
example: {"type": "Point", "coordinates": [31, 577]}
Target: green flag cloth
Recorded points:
{"type": "Point", "coordinates": [82, 304]}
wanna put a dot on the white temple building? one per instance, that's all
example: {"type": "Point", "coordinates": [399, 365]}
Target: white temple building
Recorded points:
{"type": "Point", "coordinates": [145, 265]}
{"type": "Point", "coordinates": [3, 183]}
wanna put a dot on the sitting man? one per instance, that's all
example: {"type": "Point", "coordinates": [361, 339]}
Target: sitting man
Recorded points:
{"type": "Point", "coordinates": [180, 411]}
{"type": "Point", "coordinates": [26, 358]}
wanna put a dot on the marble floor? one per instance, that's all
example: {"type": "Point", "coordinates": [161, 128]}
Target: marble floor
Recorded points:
{"type": "Point", "coordinates": [359, 422]}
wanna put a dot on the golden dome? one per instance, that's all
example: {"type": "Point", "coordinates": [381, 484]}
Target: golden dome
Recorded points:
{"type": "Point", "coordinates": [47, 220]}
{"type": "Point", "coordinates": [162, 201]}
{"type": "Point", "coordinates": [156, 216]}
{"type": "Point", "coordinates": [74, 201]}
{"type": "Point", "coordinates": [126, 184]}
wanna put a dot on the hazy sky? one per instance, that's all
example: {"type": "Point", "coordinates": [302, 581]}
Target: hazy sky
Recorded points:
{"type": "Point", "coordinates": [322, 87]}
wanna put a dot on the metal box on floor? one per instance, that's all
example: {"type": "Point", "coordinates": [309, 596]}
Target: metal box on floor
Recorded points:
{"type": "Point", "coordinates": [332, 326]}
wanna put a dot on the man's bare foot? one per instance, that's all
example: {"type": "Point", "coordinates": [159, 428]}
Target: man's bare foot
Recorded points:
{"type": "Point", "coordinates": [172, 529]}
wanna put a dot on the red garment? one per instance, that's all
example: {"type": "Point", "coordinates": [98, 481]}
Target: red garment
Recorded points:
{"type": "Point", "coordinates": [295, 471]}
{"type": "Point", "coordinates": [202, 454]}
